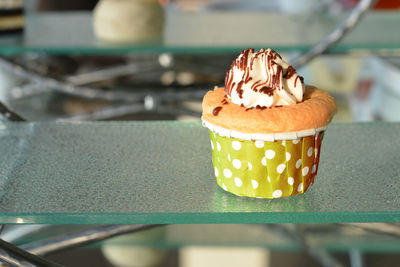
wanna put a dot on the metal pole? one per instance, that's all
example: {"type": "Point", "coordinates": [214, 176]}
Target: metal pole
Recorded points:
{"type": "Point", "coordinates": [86, 237]}
{"type": "Point", "coordinates": [356, 258]}
{"type": "Point", "coordinates": [336, 35]}
{"type": "Point", "coordinates": [15, 256]}
{"type": "Point", "coordinates": [9, 114]}
{"type": "Point", "coordinates": [299, 236]}
{"type": "Point", "coordinates": [390, 229]}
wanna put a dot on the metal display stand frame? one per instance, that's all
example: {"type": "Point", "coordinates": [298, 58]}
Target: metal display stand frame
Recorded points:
{"type": "Point", "coordinates": [142, 102]}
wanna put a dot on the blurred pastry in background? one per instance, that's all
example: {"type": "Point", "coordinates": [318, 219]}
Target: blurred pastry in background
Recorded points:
{"type": "Point", "coordinates": [128, 21]}
{"type": "Point", "coordinates": [11, 16]}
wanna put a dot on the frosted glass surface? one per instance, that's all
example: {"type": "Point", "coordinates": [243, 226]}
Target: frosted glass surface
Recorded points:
{"type": "Point", "coordinates": [161, 172]}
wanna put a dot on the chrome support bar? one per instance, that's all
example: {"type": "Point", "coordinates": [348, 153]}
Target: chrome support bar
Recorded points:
{"type": "Point", "coordinates": [86, 237]}
{"type": "Point", "coordinates": [336, 35]}
{"type": "Point", "coordinates": [299, 236]}
{"type": "Point", "coordinates": [389, 229]}
{"type": "Point", "coordinates": [15, 256]}
{"type": "Point", "coordinates": [9, 114]}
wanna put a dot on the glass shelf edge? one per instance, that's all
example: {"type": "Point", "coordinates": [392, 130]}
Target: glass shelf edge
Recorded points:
{"type": "Point", "coordinates": [200, 218]}
{"type": "Point", "coordinates": [338, 49]}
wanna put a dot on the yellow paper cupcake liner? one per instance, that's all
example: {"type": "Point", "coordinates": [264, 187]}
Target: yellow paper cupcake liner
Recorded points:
{"type": "Point", "coordinates": [265, 169]}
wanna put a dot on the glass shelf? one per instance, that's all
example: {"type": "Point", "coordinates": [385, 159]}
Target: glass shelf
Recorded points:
{"type": "Point", "coordinates": [189, 32]}
{"type": "Point", "coordinates": [161, 172]}
{"type": "Point", "coordinates": [332, 237]}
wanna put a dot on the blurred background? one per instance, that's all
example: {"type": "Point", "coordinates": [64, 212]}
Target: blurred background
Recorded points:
{"type": "Point", "coordinates": [87, 60]}
{"type": "Point", "coordinates": [144, 60]}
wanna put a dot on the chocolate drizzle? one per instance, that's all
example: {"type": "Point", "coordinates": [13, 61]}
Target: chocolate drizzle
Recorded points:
{"type": "Point", "coordinates": [260, 107]}
{"type": "Point", "coordinates": [216, 111]}
{"type": "Point", "coordinates": [267, 90]}
{"type": "Point", "coordinates": [263, 64]}
{"type": "Point", "coordinates": [246, 75]}
{"type": "Point", "coordinates": [289, 72]}
{"type": "Point", "coordinates": [243, 59]}
{"type": "Point", "coordinates": [228, 81]}
{"type": "Point", "coordinates": [239, 89]}
{"type": "Point", "coordinates": [276, 54]}
{"type": "Point", "coordinates": [277, 78]}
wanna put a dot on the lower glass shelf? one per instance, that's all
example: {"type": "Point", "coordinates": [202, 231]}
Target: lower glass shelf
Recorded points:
{"type": "Point", "coordinates": [161, 173]}
{"type": "Point", "coordinates": [284, 237]}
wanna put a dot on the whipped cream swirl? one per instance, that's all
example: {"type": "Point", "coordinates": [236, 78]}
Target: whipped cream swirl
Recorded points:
{"type": "Point", "coordinates": [263, 79]}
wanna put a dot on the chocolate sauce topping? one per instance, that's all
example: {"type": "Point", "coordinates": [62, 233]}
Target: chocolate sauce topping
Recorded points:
{"type": "Point", "coordinates": [239, 89]}
{"type": "Point", "coordinates": [228, 82]}
{"type": "Point", "coordinates": [276, 54]}
{"type": "Point", "coordinates": [267, 90]}
{"type": "Point", "coordinates": [243, 59]}
{"type": "Point", "coordinates": [289, 72]}
{"type": "Point", "coordinates": [216, 111]}
{"type": "Point", "coordinates": [260, 107]}
{"type": "Point", "coordinates": [242, 67]}
{"type": "Point", "coordinates": [276, 78]}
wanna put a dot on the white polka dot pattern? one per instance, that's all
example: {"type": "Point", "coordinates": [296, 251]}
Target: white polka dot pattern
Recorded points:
{"type": "Point", "coordinates": [288, 156]}
{"type": "Point", "coordinates": [259, 144]}
{"type": "Point", "coordinates": [298, 164]}
{"type": "Point", "coordinates": [300, 187]}
{"type": "Point", "coordinates": [309, 152]}
{"type": "Point", "coordinates": [314, 168]}
{"type": "Point", "coordinates": [270, 154]}
{"type": "Point", "coordinates": [264, 161]}
{"type": "Point", "coordinates": [227, 173]}
{"type": "Point", "coordinates": [238, 182]}
{"type": "Point", "coordinates": [265, 169]}
{"type": "Point", "coordinates": [224, 187]}
{"type": "Point", "coordinates": [236, 145]}
{"type": "Point", "coordinates": [277, 193]}
{"type": "Point", "coordinates": [296, 141]}
{"type": "Point", "coordinates": [280, 168]}
{"type": "Point", "coordinates": [236, 163]}
{"type": "Point", "coordinates": [254, 184]}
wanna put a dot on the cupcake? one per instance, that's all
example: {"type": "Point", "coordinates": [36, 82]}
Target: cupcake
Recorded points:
{"type": "Point", "coordinates": [266, 127]}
